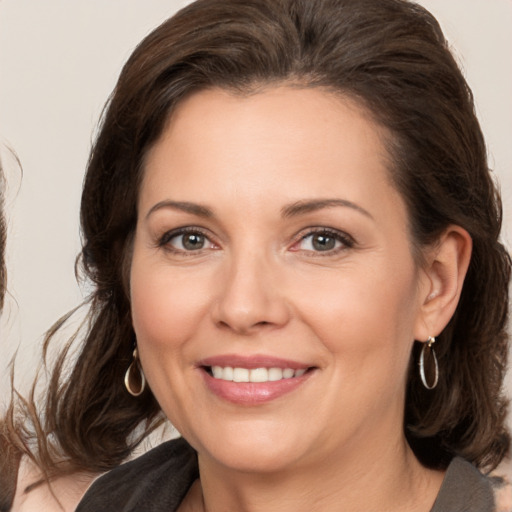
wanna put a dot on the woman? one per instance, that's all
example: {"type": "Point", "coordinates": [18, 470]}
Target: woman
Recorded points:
{"type": "Point", "coordinates": [283, 197]}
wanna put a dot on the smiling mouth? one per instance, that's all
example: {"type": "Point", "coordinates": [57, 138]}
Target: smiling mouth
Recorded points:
{"type": "Point", "coordinates": [257, 375]}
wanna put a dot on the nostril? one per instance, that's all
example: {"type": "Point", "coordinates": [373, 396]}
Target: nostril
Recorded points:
{"type": "Point", "coordinates": [242, 327]}
{"type": "Point", "coordinates": [223, 324]}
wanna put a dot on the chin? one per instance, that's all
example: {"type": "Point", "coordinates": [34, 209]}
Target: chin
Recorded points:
{"type": "Point", "coordinates": [253, 450]}
{"type": "Point", "coordinates": [254, 459]}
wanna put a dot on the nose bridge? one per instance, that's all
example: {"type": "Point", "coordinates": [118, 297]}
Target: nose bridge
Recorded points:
{"type": "Point", "coordinates": [250, 296]}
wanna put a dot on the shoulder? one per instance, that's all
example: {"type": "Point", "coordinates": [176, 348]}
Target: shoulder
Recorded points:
{"type": "Point", "coordinates": [162, 476]}
{"type": "Point", "coordinates": [502, 484]}
{"type": "Point", "coordinates": [465, 488]}
{"type": "Point", "coordinates": [62, 495]}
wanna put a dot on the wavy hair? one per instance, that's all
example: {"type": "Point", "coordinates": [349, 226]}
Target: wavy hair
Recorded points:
{"type": "Point", "coordinates": [391, 57]}
{"type": "Point", "coordinates": [3, 237]}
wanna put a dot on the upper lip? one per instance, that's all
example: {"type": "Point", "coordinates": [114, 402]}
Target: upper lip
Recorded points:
{"type": "Point", "coordinates": [251, 362]}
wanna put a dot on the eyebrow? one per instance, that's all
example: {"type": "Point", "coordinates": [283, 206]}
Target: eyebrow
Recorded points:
{"type": "Point", "coordinates": [184, 206]}
{"type": "Point", "coordinates": [308, 206]}
{"type": "Point", "coordinates": [292, 210]}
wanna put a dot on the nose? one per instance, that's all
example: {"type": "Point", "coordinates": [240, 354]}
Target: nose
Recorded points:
{"type": "Point", "coordinates": [250, 298]}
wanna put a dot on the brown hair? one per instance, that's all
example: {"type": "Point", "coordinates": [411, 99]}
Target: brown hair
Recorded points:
{"type": "Point", "coordinates": [10, 453]}
{"type": "Point", "coordinates": [391, 57]}
{"type": "Point", "coordinates": [3, 237]}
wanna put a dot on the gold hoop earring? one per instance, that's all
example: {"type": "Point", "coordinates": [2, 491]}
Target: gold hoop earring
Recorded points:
{"type": "Point", "coordinates": [130, 376]}
{"type": "Point", "coordinates": [431, 340]}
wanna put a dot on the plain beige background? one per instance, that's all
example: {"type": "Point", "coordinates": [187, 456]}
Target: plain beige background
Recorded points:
{"type": "Point", "coordinates": [59, 60]}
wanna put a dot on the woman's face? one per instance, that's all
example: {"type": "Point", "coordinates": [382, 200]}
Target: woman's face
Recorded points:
{"type": "Point", "coordinates": [272, 247]}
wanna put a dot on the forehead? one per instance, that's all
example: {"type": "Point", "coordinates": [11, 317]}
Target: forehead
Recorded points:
{"type": "Point", "coordinates": [282, 143]}
{"type": "Point", "coordinates": [306, 110]}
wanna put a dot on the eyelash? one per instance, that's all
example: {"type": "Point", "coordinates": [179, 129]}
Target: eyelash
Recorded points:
{"type": "Point", "coordinates": [346, 241]}
{"type": "Point", "coordinates": [165, 239]}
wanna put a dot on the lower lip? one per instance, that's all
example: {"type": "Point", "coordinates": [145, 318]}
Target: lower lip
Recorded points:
{"type": "Point", "coordinates": [253, 393]}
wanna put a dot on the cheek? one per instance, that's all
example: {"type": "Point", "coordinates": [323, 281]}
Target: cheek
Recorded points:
{"type": "Point", "coordinates": [166, 306]}
{"type": "Point", "coordinates": [365, 316]}
{"type": "Point", "coordinates": [166, 311]}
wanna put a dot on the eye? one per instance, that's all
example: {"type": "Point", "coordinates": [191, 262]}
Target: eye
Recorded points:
{"type": "Point", "coordinates": [324, 240]}
{"type": "Point", "coordinates": [185, 240]}
{"type": "Point", "coordinates": [189, 241]}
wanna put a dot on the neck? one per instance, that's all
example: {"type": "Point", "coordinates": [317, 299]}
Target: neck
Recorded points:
{"type": "Point", "coordinates": [380, 478]}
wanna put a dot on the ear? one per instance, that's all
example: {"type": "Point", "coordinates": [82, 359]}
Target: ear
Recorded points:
{"type": "Point", "coordinates": [443, 276]}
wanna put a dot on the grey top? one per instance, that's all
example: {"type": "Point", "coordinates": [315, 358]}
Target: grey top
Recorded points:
{"type": "Point", "coordinates": [159, 480]}
{"type": "Point", "coordinates": [464, 489]}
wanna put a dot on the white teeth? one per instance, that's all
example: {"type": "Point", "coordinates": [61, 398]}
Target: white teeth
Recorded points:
{"type": "Point", "coordinates": [240, 375]}
{"type": "Point", "coordinates": [255, 374]}
{"type": "Point", "coordinates": [288, 373]}
{"type": "Point", "coordinates": [227, 374]}
{"type": "Point", "coordinates": [259, 375]}
{"type": "Point", "coordinates": [217, 372]}
{"type": "Point", "coordinates": [275, 374]}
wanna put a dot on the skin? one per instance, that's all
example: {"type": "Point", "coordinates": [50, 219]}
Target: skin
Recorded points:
{"type": "Point", "coordinates": [260, 285]}
{"type": "Point", "coordinates": [63, 495]}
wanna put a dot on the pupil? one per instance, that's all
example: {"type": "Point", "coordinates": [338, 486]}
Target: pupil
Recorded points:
{"type": "Point", "coordinates": [323, 242]}
{"type": "Point", "coordinates": [193, 241]}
